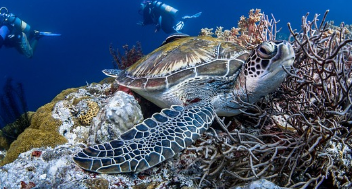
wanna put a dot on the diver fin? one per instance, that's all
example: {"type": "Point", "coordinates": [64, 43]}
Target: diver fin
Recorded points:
{"type": "Point", "coordinates": [49, 34]}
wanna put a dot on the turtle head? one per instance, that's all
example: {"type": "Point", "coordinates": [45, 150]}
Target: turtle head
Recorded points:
{"type": "Point", "coordinates": [264, 70]}
{"type": "Point", "coordinates": [262, 73]}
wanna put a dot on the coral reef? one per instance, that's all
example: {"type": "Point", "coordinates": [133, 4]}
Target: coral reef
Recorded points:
{"type": "Point", "coordinates": [64, 119]}
{"type": "Point", "coordinates": [14, 117]}
{"type": "Point", "coordinates": [262, 183]}
{"type": "Point", "coordinates": [130, 56]}
{"type": "Point", "coordinates": [43, 131]}
{"type": "Point", "coordinates": [32, 138]}
{"type": "Point", "coordinates": [317, 98]}
{"type": "Point", "coordinates": [4, 145]}
{"type": "Point", "coordinates": [89, 111]}
{"type": "Point", "coordinates": [332, 28]}
{"type": "Point", "coordinates": [120, 113]}
{"type": "Point", "coordinates": [250, 31]}
{"type": "Point", "coordinates": [77, 109]}
{"type": "Point", "coordinates": [55, 169]}
{"type": "Point", "coordinates": [299, 136]}
{"type": "Point", "coordinates": [12, 130]}
{"type": "Point", "coordinates": [91, 115]}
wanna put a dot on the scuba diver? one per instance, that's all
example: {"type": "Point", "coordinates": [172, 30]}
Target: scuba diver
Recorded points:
{"type": "Point", "coordinates": [14, 32]}
{"type": "Point", "coordinates": [163, 16]}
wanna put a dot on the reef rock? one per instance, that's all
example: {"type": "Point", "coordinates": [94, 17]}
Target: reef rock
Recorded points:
{"type": "Point", "coordinates": [259, 184]}
{"type": "Point", "coordinates": [95, 112]}
{"type": "Point", "coordinates": [120, 113]}
{"type": "Point", "coordinates": [91, 115]}
{"type": "Point", "coordinates": [54, 168]}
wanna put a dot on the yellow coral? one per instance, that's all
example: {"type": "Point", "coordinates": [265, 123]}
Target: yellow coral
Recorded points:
{"type": "Point", "coordinates": [32, 138]}
{"type": "Point", "coordinates": [42, 132]}
{"type": "Point", "coordinates": [86, 117]}
{"type": "Point", "coordinates": [43, 120]}
{"type": "Point", "coordinates": [3, 142]}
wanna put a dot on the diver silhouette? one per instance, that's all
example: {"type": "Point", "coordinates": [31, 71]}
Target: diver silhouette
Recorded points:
{"type": "Point", "coordinates": [163, 16]}
{"type": "Point", "coordinates": [16, 33]}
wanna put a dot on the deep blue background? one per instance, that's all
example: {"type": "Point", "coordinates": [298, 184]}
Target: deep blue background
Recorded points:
{"type": "Point", "coordinates": [88, 27]}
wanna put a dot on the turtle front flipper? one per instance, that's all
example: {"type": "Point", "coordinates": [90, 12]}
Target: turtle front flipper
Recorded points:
{"type": "Point", "coordinates": [149, 143]}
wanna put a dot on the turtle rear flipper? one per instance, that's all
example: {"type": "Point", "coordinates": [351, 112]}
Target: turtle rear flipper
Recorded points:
{"type": "Point", "coordinates": [149, 143]}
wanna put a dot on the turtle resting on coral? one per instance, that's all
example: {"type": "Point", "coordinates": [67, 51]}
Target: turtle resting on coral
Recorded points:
{"type": "Point", "coordinates": [192, 79]}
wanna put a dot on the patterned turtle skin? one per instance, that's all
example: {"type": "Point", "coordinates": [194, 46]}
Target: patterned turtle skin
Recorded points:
{"type": "Point", "coordinates": [192, 79]}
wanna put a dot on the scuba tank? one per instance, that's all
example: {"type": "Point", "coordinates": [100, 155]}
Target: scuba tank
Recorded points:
{"type": "Point", "coordinates": [18, 23]}
{"type": "Point", "coordinates": [13, 20]}
{"type": "Point", "coordinates": [164, 8]}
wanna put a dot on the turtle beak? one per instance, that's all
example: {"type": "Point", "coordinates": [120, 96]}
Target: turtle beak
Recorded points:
{"type": "Point", "coordinates": [286, 50]}
{"type": "Point", "coordinates": [285, 56]}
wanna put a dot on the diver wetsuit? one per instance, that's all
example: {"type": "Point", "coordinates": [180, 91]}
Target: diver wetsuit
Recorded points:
{"type": "Point", "coordinates": [163, 16]}
{"type": "Point", "coordinates": [4, 31]}
{"type": "Point", "coordinates": [17, 33]}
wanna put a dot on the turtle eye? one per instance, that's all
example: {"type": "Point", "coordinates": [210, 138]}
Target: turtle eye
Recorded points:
{"type": "Point", "coordinates": [266, 50]}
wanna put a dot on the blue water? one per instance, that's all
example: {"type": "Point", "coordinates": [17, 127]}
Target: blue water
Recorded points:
{"type": "Point", "coordinates": [89, 27]}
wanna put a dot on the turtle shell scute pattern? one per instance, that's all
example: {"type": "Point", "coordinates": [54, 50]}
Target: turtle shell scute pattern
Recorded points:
{"type": "Point", "coordinates": [182, 59]}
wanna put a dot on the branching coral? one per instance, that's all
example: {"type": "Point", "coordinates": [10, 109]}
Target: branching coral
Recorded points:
{"type": "Point", "coordinates": [317, 97]}
{"type": "Point", "coordinates": [301, 135]}
{"type": "Point", "coordinates": [206, 32]}
{"type": "Point", "coordinates": [130, 57]}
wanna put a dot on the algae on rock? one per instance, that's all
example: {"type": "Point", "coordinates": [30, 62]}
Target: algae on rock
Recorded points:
{"type": "Point", "coordinates": [66, 117]}
{"type": "Point", "coordinates": [32, 138]}
{"type": "Point", "coordinates": [43, 131]}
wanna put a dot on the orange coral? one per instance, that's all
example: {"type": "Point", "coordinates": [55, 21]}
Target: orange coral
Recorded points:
{"type": "Point", "coordinates": [250, 32]}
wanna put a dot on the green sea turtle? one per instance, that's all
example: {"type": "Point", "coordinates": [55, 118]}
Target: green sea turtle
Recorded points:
{"type": "Point", "coordinates": [192, 79]}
